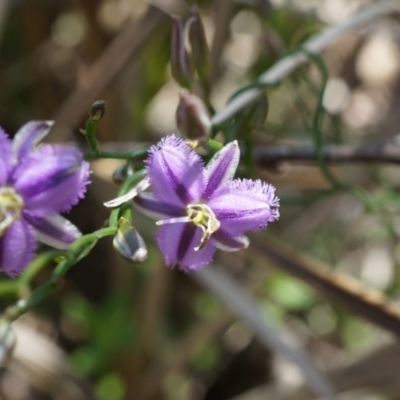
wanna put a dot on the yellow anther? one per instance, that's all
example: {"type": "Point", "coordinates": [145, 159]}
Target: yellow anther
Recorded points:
{"type": "Point", "coordinates": [193, 144]}
{"type": "Point", "coordinates": [198, 217]}
{"type": "Point", "coordinates": [203, 217]}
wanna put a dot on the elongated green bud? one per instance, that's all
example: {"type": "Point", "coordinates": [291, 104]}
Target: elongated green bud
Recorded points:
{"type": "Point", "coordinates": [181, 66]}
{"type": "Point", "coordinates": [192, 118]}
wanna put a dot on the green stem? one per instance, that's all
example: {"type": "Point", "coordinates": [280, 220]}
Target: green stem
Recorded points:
{"type": "Point", "coordinates": [21, 285]}
{"type": "Point", "coordinates": [79, 249]}
{"type": "Point", "coordinates": [8, 287]}
{"type": "Point", "coordinates": [317, 123]}
{"type": "Point", "coordinates": [90, 134]}
{"type": "Point", "coordinates": [24, 305]}
{"type": "Point", "coordinates": [139, 153]}
{"type": "Point", "coordinates": [213, 146]}
{"type": "Point", "coordinates": [37, 265]}
{"type": "Point", "coordinates": [126, 186]}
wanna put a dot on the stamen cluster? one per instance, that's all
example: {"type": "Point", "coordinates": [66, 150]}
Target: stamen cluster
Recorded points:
{"type": "Point", "coordinates": [11, 204]}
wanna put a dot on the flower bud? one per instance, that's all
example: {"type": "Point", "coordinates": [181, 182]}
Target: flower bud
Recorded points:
{"type": "Point", "coordinates": [181, 67]}
{"type": "Point", "coordinates": [198, 43]}
{"type": "Point", "coordinates": [129, 244]}
{"type": "Point", "coordinates": [192, 117]}
{"type": "Point", "coordinates": [7, 342]}
{"type": "Point", "coordinates": [120, 174]}
{"type": "Point", "coordinates": [97, 110]}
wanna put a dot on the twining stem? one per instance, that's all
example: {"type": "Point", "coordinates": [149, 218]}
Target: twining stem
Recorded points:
{"type": "Point", "coordinates": [37, 265]}
{"type": "Point", "coordinates": [314, 44]}
{"type": "Point", "coordinates": [317, 123]}
{"type": "Point", "coordinates": [79, 249]}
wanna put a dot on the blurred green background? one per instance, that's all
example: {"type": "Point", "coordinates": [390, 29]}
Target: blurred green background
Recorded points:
{"type": "Point", "coordinates": [118, 331]}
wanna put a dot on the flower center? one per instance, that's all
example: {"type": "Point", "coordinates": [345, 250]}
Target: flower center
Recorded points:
{"type": "Point", "coordinates": [11, 204]}
{"type": "Point", "coordinates": [202, 216]}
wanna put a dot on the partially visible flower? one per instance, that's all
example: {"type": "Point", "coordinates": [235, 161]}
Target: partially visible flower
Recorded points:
{"type": "Point", "coordinates": [36, 184]}
{"type": "Point", "coordinates": [200, 208]}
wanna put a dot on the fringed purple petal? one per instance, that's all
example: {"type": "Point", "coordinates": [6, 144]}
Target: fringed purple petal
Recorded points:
{"type": "Point", "coordinates": [51, 179]}
{"type": "Point", "coordinates": [245, 205]}
{"type": "Point", "coordinates": [54, 230]}
{"type": "Point", "coordinates": [225, 242]}
{"type": "Point", "coordinates": [221, 168]}
{"type": "Point", "coordinates": [28, 137]}
{"type": "Point", "coordinates": [176, 172]}
{"type": "Point", "coordinates": [150, 206]}
{"type": "Point", "coordinates": [17, 246]}
{"type": "Point", "coordinates": [177, 243]}
{"type": "Point", "coordinates": [5, 157]}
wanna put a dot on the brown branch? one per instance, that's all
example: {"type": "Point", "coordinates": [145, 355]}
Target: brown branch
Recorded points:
{"type": "Point", "coordinates": [339, 287]}
{"type": "Point", "coordinates": [268, 156]}
{"type": "Point", "coordinates": [373, 153]}
{"type": "Point", "coordinates": [4, 8]}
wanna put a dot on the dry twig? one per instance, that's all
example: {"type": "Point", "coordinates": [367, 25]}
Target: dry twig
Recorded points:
{"type": "Point", "coordinates": [341, 288]}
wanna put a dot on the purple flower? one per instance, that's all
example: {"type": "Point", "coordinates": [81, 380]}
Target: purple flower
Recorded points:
{"type": "Point", "coordinates": [36, 183]}
{"type": "Point", "coordinates": [200, 208]}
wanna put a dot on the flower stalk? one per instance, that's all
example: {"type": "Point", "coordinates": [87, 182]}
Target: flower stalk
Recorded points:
{"type": "Point", "coordinates": [127, 191]}
{"type": "Point", "coordinates": [96, 113]}
{"type": "Point", "coordinates": [192, 118]}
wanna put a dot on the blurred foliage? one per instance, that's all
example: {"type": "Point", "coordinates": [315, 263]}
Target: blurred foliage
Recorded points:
{"type": "Point", "coordinates": [147, 332]}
